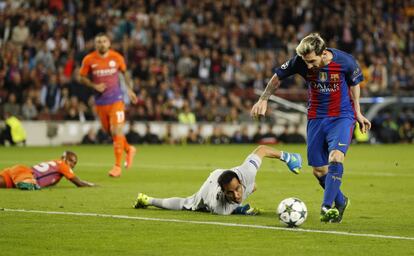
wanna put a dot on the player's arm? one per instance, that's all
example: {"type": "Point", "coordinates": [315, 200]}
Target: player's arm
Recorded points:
{"type": "Point", "coordinates": [86, 81]}
{"type": "Point", "coordinates": [83, 76]}
{"type": "Point", "coordinates": [364, 123]}
{"type": "Point", "coordinates": [130, 86]}
{"type": "Point", "coordinates": [289, 68]}
{"type": "Point", "coordinates": [81, 183]}
{"type": "Point", "coordinates": [248, 169]}
{"type": "Point", "coordinates": [353, 78]}
{"type": "Point", "coordinates": [259, 109]}
{"type": "Point", "coordinates": [266, 151]}
{"type": "Point", "coordinates": [293, 160]}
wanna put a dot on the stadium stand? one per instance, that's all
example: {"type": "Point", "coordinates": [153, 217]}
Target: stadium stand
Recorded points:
{"type": "Point", "coordinates": [196, 60]}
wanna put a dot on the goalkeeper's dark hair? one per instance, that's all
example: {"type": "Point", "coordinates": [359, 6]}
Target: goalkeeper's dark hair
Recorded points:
{"type": "Point", "coordinates": [226, 177]}
{"type": "Point", "coordinates": [67, 153]}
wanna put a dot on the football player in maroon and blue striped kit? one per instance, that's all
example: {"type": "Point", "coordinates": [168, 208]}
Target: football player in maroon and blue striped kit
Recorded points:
{"type": "Point", "coordinates": [332, 78]}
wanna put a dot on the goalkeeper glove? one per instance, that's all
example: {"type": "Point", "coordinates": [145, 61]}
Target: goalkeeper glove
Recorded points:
{"type": "Point", "coordinates": [254, 211]}
{"type": "Point", "coordinates": [247, 210]}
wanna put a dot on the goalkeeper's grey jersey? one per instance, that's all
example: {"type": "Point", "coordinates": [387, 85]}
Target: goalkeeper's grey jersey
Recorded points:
{"type": "Point", "coordinates": [211, 198]}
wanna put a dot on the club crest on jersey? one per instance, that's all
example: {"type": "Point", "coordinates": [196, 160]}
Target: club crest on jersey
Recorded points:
{"type": "Point", "coordinates": [112, 63]}
{"type": "Point", "coordinates": [323, 76]}
{"type": "Point", "coordinates": [334, 77]}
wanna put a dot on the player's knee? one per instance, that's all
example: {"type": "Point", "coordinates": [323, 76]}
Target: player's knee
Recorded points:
{"type": "Point", "coordinates": [336, 156]}
{"type": "Point", "coordinates": [319, 171]}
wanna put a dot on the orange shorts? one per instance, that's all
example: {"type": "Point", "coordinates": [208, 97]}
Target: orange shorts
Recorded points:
{"type": "Point", "coordinates": [16, 174]}
{"type": "Point", "coordinates": [111, 114]}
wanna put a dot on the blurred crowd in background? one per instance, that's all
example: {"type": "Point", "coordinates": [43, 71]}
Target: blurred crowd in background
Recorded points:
{"type": "Point", "coordinates": [193, 61]}
{"type": "Point", "coordinates": [264, 134]}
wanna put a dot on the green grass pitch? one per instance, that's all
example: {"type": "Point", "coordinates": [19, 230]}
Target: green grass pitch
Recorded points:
{"type": "Point", "coordinates": [378, 179]}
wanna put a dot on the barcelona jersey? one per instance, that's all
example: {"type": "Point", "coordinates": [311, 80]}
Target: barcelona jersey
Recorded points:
{"type": "Point", "coordinates": [328, 86]}
{"type": "Point", "coordinates": [105, 70]}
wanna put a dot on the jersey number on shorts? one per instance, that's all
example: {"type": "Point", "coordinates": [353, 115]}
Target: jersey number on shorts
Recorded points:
{"type": "Point", "coordinates": [44, 167]}
{"type": "Point", "coordinates": [120, 116]}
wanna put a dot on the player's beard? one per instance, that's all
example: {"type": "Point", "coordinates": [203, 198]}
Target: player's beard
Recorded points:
{"type": "Point", "coordinates": [103, 50]}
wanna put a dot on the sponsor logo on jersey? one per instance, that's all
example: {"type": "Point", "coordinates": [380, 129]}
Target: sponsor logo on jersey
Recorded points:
{"type": "Point", "coordinates": [105, 72]}
{"type": "Point", "coordinates": [325, 88]}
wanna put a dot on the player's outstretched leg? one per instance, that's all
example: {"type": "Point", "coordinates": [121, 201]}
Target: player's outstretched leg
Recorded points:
{"type": "Point", "coordinates": [292, 160]}
{"type": "Point", "coordinates": [173, 203]}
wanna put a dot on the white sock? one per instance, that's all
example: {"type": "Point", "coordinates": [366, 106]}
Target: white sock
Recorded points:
{"type": "Point", "coordinates": [174, 203]}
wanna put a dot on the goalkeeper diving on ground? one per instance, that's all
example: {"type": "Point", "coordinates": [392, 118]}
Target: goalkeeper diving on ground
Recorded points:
{"type": "Point", "coordinates": [225, 189]}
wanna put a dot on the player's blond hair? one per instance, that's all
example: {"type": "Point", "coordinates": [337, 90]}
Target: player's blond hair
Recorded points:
{"type": "Point", "coordinates": [311, 43]}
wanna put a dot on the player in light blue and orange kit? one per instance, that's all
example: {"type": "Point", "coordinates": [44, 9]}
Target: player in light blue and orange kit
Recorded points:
{"type": "Point", "coordinates": [104, 65]}
{"type": "Point", "coordinates": [332, 78]}
{"type": "Point", "coordinates": [43, 174]}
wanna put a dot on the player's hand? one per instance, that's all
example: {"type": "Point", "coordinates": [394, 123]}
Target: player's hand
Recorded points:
{"type": "Point", "coordinates": [90, 184]}
{"type": "Point", "coordinates": [99, 87]}
{"type": "Point", "coordinates": [254, 211]}
{"type": "Point", "coordinates": [364, 123]}
{"type": "Point", "coordinates": [132, 96]}
{"type": "Point", "coordinates": [259, 109]}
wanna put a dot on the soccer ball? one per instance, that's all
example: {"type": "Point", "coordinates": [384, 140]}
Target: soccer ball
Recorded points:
{"type": "Point", "coordinates": [292, 211]}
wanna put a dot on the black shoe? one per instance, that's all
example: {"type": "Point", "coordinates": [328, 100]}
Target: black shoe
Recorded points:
{"type": "Point", "coordinates": [341, 209]}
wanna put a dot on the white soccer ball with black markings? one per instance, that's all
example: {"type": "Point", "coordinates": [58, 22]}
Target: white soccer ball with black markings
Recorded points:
{"type": "Point", "coordinates": [292, 212]}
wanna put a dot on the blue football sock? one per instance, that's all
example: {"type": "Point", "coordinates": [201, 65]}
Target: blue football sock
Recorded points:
{"type": "Point", "coordinates": [333, 182]}
{"type": "Point", "coordinates": [322, 181]}
{"type": "Point", "coordinates": [339, 199]}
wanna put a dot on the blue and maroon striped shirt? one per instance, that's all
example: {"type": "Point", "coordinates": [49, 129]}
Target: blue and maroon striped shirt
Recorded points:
{"type": "Point", "coordinates": [328, 86]}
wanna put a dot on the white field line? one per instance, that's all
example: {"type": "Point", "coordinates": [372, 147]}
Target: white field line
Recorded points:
{"type": "Point", "coordinates": [185, 167]}
{"type": "Point", "coordinates": [340, 233]}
